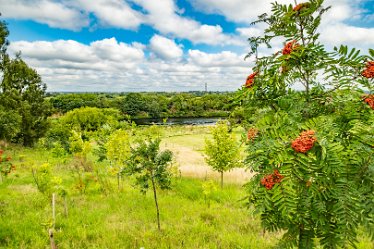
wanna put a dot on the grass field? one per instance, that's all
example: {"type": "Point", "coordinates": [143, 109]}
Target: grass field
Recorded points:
{"type": "Point", "coordinates": [188, 150]}
{"type": "Point", "coordinates": [126, 218]}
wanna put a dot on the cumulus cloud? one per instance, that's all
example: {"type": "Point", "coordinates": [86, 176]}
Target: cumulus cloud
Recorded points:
{"type": "Point", "coordinates": [109, 65]}
{"type": "Point", "coordinates": [113, 13]}
{"type": "Point", "coordinates": [242, 11]}
{"type": "Point", "coordinates": [335, 30]}
{"type": "Point", "coordinates": [165, 48]}
{"type": "Point", "coordinates": [222, 59]}
{"type": "Point", "coordinates": [165, 17]}
{"type": "Point", "coordinates": [161, 64]}
{"type": "Point", "coordinates": [110, 49]}
{"type": "Point", "coordinates": [54, 14]}
{"type": "Point", "coordinates": [339, 33]}
{"type": "Point", "coordinates": [105, 55]}
{"type": "Point", "coordinates": [68, 50]}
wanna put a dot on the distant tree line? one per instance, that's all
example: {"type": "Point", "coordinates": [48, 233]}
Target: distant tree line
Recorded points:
{"type": "Point", "coordinates": [149, 105]}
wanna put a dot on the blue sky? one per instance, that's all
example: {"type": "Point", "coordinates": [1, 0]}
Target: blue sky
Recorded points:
{"type": "Point", "coordinates": [156, 45]}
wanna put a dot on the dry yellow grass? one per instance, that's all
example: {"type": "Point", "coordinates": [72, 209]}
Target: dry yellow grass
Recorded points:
{"type": "Point", "coordinates": [191, 163]}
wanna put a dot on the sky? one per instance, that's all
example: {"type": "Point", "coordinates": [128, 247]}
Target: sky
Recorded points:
{"type": "Point", "coordinates": [157, 45]}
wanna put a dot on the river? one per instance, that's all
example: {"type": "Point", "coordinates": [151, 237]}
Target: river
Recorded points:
{"type": "Point", "coordinates": [178, 121]}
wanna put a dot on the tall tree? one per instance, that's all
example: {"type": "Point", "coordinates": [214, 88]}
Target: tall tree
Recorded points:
{"type": "Point", "coordinates": [4, 32]}
{"type": "Point", "coordinates": [313, 149]}
{"type": "Point", "coordinates": [22, 91]}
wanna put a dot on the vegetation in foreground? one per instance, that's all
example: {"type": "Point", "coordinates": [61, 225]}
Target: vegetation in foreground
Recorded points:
{"type": "Point", "coordinates": [193, 214]}
{"type": "Point", "coordinates": [122, 218]}
{"type": "Point", "coordinates": [312, 150]}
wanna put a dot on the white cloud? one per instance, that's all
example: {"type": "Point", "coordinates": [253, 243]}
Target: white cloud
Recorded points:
{"type": "Point", "coordinates": [68, 50]}
{"type": "Point", "coordinates": [250, 31]}
{"type": "Point", "coordinates": [109, 65]}
{"type": "Point", "coordinates": [335, 30]}
{"type": "Point", "coordinates": [113, 13]}
{"type": "Point", "coordinates": [338, 33]}
{"type": "Point", "coordinates": [164, 16]}
{"type": "Point", "coordinates": [54, 14]}
{"type": "Point", "coordinates": [165, 48]}
{"type": "Point", "coordinates": [223, 59]}
{"type": "Point", "coordinates": [243, 11]}
{"type": "Point", "coordinates": [110, 49]}
{"type": "Point", "coordinates": [104, 55]}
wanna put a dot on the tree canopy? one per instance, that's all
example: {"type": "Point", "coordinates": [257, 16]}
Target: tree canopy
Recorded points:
{"type": "Point", "coordinates": [22, 100]}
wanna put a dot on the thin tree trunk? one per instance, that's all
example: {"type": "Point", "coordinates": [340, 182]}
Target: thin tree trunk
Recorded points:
{"type": "Point", "coordinates": [54, 209]}
{"type": "Point", "coordinates": [221, 179]}
{"type": "Point", "coordinates": [51, 239]}
{"type": "Point", "coordinates": [118, 179]}
{"type": "Point", "coordinates": [66, 206]}
{"type": "Point", "coordinates": [155, 197]}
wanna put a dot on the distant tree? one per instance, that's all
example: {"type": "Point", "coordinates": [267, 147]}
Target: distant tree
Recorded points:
{"type": "Point", "coordinates": [67, 102]}
{"type": "Point", "coordinates": [222, 153]}
{"type": "Point", "coordinates": [118, 151]}
{"type": "Point", "coordinates": [132, 104]}
{"type": "Point", "coordinates": [91, 118]}
{"type": "Point", "coordinates": [150, 166]}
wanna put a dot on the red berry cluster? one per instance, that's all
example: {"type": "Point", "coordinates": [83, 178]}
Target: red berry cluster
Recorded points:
{"type": "Point", "coordinates": [369, 99]}
{"type": "Point", "coordinates": [369, 71]}
{"type": "Point", "coordinates": [289, 47]}
{"type": "Point", "coordinates": [300, 6]}
{"type": "Point", "coordinates": [250, 80]}
{"type": "Point", "coordinates": [252, 134]}
{"type": "Point", "coordinates": [270, 180]}
{"type": "Point", "coordinates": [304, 142]}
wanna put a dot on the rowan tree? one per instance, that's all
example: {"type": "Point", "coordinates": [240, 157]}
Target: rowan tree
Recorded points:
{"type": "Point", "coordinates": [313, 149]}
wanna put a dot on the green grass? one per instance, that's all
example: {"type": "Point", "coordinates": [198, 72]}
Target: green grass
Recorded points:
{"type": "Point", "coordinates": [124, 219]}
{"type": "Point", "coordinates": [127, 218]}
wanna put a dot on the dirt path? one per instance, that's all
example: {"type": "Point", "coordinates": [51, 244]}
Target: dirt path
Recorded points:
{"type": "Point", "coordinates": [191, 164]}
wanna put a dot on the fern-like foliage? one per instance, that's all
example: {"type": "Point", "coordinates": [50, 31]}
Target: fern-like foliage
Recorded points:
{"type": "Point", "coordinates": [313, 154]}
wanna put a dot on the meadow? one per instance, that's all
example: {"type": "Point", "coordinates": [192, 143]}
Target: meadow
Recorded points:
{"type": "Point", "coordinates": [125, 218]}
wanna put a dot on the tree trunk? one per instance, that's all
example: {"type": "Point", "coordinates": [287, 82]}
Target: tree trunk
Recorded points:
{"type": "Point", "coordinates": [221, 179]}
{"type": "Point", "coordinates": [155, 197]}
{"type": "Point", "coordinates": [54, 209]}
{"type": "Point", "coordinates": [51, 239]}
{"type": "Point", "coordinates": [118, 179]}
{"type": "Point", "coordinates": [66, 207]}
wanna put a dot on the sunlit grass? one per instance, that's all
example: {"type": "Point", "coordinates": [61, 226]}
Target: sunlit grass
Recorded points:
{"type": "Point", "coordinates": [126, 218]}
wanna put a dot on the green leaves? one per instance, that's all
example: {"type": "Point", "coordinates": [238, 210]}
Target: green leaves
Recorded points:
{"type": "Point", "coordinates": [222, 152]}
{"type": "Point", "coordinates": [327, 190]}
{"type": "Point", "coordinates": [150, 167]}
{"type": "Point", "coordinates": [22, 91]}
{"type": "Point", "coordinates": [147, 164]}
